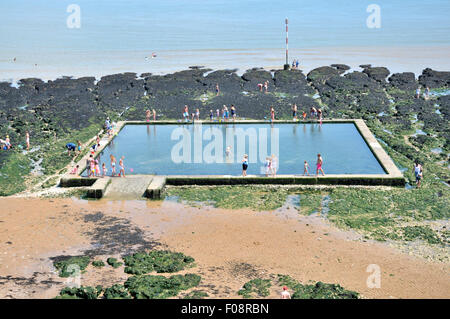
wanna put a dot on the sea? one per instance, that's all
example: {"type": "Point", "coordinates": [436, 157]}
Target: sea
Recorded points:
{"type": "Point", "coordinates": [53, 38]}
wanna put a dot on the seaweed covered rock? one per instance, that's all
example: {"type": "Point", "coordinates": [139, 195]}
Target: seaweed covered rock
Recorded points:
{"type": "Point", "coordinates": [403, 81]}
{"type": "Point", "coordinates": [322, 74]}
{"type": "Point", "coordinates": [160, 287]}
{"type": "Point", "coordinates": [319, 290]}
{"type": "Point", "coordinates": [114, 262]}
{"type": "Point", "coordinates": [256, 288]}
{"type": "Point", "coordinates": [292, 81]}
{"type": "Point", "coordinates": [80, 293]}
{"type": "Point", "coordinates": [434, 79]}
{"type": "Point", "coordinates": [70, 265]}
{"type": "Point", "coordinates": [161, 261]}
{"type": "Point", "coordinates": [340, 67]}
{"type": "Point", "coordinates": [116, 292]}
{"type": "Point", "coordinates": [378, 74]}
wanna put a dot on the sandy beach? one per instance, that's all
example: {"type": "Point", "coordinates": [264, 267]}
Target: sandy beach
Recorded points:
{"type": "Point", "coordinates": [230, 247]}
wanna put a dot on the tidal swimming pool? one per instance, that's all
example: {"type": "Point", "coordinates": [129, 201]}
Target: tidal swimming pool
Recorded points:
{"type": "Point", "coordinates": [201, 149]}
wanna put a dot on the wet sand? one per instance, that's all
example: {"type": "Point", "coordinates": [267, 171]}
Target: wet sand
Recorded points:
{"type": "Point", "coordinates": [412, 58]}
{"type": "Point", "coordinates": [230, 247]}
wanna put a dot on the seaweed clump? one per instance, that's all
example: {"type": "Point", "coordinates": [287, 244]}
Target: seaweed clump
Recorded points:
{"type": "Point", "coordinates": [114, 262]}
{"type": "Point", "coordinates": [319, 290]}
{"type": "Point", "coordinates": [80, 293]}
{"type": "Point", "coordinates": [161, 261]}
{"type": "Point", "coordinates": [116, 292]}
{"type": "Point", "coordinates": [71, 266]}
{"type": "Point", "coordinates": [160, 287]}
{"type": "Point", "coordinates": [257, 286]}
{"type": "Point", "coordinates": [98, 263]}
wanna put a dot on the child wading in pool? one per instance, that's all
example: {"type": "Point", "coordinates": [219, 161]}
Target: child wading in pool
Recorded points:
{"type": "Point", "coordinates": [305, 168]}
{"type": "Point", "coordinates": [104, 170]}
{"type": "Point", "coordinates": [113, 165]}
{"type": "Point", "coordinates": [268, 166]}
{"type": "Point", "coordinates": [122, 167]}
{"type": "Point", "coordinates": [244, 165]}
{"type": "Point", "coordinates": [319, 165]}
{"type": "Point", "coordinates": [274, 165]}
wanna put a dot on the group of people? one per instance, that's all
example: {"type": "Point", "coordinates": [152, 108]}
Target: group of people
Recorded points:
{"type": "Point", "coordinates": [224, 114]}
{"type": "Point", "coordinates": [148, 115]}
{"type": "Point", "coordinates": [264, 85]}
{"type": "Point", "coordinates": [295, 64]}
{"type": "Point", "coordinates": [271, 165]}
{"type": "Point", "coordinates": [426, 94]}
{"type": "Point", "coordinates": [6, 143]}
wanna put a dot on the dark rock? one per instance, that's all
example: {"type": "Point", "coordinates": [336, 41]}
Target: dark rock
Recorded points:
{"type": "Point", "coordinates": [320, 75]}
{"type": "Point", "coordinates": [378, 74]}
{"type": "Point", "coordinates": [434, 79]}
{"type": "Point", "coordinates": [341, 67]}
{"type": "Point", "coordinates": [403, 81]}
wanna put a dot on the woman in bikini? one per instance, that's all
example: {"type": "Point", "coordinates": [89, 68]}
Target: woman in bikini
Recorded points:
{"type": "Point", "coordinates": [319, 165]}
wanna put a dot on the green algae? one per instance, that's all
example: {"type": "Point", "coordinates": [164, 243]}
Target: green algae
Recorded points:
{"type": "Point", "coordinates": [255, 288]}
{"type": "Point", "coordinates": [233, 197]}
{"type": "Point", "coordinates": [319, 290]}
{"type": "Point", "coordinates": [71, 266]}
{"type": "Point", "coordinates": [196, 294]}
{"type": "Point", "coordinates": [13, 172]}
{"type": "Point", "coordinates": [80, 293]}
{"type": "Point", "coordinates": [160, 287]}
{"type": "Point", "coordinates": [98, 263]}
{"type": "Point", "coordinates": [114, 262]}
{"type": "Point", "coordinates": [116, 292]}
{"type": "Point", "coordinates": [161, 261]}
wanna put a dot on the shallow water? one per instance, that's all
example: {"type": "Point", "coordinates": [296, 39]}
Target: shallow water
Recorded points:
{"type": "Point", "coordinates": [149, 149]}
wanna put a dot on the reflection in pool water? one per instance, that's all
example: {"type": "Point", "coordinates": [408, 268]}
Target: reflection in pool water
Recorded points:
{"type": "Point", "coordinates": [157, 149]}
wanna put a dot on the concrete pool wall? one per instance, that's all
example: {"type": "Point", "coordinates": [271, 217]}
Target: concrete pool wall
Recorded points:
{"type": "Point", "coordinates": [393, 176]}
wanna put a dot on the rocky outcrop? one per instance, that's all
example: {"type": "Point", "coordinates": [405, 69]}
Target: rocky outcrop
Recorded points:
{"type": "Point", "coordinates": [403, 81]}
{"type": "Point", "coordinates": [434, 79]}
{"type": "Point", "coordinates": [378, 73]}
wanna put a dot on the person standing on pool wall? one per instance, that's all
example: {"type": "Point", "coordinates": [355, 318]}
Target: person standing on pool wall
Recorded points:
{"type": "Point", "coordinates": [319, 165]}
{"type": "Point", "coordinates": [305, 168]}
{"type": "Point", "coordinates": [244, 165]}
{"type": "Point", "coordinates": [113, 165]}
{"type": "Point", "coordinates": [122, 167]}
{"type": "Point", "coordinates": [294, 112]}
{"type": "Point", "coordinates": [272, 114]}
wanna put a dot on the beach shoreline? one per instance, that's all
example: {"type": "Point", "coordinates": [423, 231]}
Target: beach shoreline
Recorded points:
{"type": "Point", "coordinates": [85, 63]}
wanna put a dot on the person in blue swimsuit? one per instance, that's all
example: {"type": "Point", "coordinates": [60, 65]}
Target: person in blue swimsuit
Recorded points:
{"type": "Point", "coordinates": [71, 147]}
{"type": "Point", "coordinates": [244, 165]}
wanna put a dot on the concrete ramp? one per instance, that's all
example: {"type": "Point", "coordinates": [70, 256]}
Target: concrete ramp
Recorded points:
{"type": "Point", "coordinates": [130, 187]}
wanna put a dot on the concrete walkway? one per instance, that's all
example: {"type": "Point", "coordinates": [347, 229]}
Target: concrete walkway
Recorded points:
{"type": "Point", "coordinates": [130, 187]}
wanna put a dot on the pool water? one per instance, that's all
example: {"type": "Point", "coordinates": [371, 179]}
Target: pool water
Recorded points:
{"type": "Point", "coordinates": [201, 149]}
